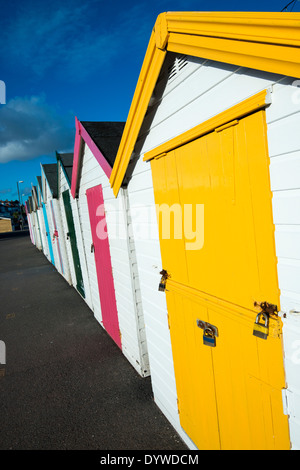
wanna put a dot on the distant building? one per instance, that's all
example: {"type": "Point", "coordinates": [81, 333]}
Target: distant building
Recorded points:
{"type": "Point", "coordinates": [13, 211]}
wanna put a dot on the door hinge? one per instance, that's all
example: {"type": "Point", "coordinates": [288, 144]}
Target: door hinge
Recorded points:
{"type": "Point", "coordinates": [160, 155]}
{"type": "Point", "coordinates": [225, 126]}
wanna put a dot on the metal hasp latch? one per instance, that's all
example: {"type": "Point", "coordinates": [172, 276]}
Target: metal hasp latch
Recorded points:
{"type": "Point", "coordinates": [164, 277]}
{"type": "Point", "coordinates": [261, 329]}
{"type": "Point", "coordinates": [209, 333]}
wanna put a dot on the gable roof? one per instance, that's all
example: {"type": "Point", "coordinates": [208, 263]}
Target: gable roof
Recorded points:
{"type": "Point", "coordinates": [39, 189]}
{"type": "Point", "coordinates": [50, 171]}
{"type": "Point", "coordinates": [103, 139]}
{"type": "Point", "coordinates": [66, 160]}
{"type": "Point", "coordinates": [30, 206]}
{"type": "Point", "coordinates": [39, 180]}
{"type": "Point", "coordinates": [35, 197]}
{"type": "Point", "coordinates": [107, 137]}
{"type": "Point", "coordinates": [262, 41]}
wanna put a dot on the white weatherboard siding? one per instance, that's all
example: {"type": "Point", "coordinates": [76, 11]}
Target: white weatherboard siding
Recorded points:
{"type": "Point", "coordinates": [38, 232]}
{"type": "Point", "coordinates": [198, 90]}
{"type": "Point", "coordinates": [32, 218]}
{"type": "Point", "coordinates": [43, 232]}
{"type": "Point", "coordinates": [283, 118]}
{"type": "Point", "coordinates": [32, 227]}
{"type": "Point", "coordinates": [51, 229]}
{"type": "Point", "coordinates": [131, 322]}
{"type": "Point", "coordinates": [62, 242]}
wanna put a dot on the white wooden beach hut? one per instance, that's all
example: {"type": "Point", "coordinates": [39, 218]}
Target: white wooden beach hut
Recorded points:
{"type": "Point", "coordinates": [53, 215]}
{"type": "Point", "coordinates": [29, 220]}
{"type": "Point", "coordinates": [36, 215]}
{"type": "Point", "coordinates": [212, 137]}
{"type": "Point", "coordinates": [108, 244]}
{"type": "Point", "coordinates": [71, 227]}
{"type": "Point", "coordinates": [40, 214]}
{"type": "Point", "coordinates": [34, 221]}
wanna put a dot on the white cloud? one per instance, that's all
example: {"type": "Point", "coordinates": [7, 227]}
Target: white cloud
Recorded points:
{"type": "Point", "coordinates": [29, 128]}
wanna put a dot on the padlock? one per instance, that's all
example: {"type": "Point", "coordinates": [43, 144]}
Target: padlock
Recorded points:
{"type": "Point", "coordinates": [209, 338]}
{"type": "Point", "coordinates": [261, 330]}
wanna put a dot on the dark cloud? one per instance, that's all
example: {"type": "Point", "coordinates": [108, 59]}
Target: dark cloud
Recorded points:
{"type": "Point", "coordinates": [29, 128]}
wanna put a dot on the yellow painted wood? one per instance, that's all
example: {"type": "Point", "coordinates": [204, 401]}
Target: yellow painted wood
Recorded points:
{"type": "Point", "coordinates": [265, 27]}
{"type": "Point", "coordinates": [238, 384]}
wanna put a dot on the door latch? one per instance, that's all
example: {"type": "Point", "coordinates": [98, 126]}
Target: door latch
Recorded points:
{"type": "Point", "coordinates": [92, 248]}
{"type": "Point", "coordinates": [164, 277]}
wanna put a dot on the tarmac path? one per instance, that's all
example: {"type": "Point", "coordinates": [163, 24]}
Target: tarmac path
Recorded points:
{"type": "Point", "coordinates": [65, 384]}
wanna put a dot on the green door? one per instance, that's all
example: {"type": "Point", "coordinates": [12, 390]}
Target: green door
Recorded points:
{"type": "Point", "coordinates": [73, 241]}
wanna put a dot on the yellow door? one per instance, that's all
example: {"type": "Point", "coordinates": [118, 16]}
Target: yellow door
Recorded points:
{"type": "Point", "coordinates": [229, 396]}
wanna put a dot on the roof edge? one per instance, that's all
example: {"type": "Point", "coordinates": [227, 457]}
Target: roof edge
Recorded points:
{"type": "Point", "coordinates": [261, 41]}
{"type": "Point", "coordinates": [83, 135]}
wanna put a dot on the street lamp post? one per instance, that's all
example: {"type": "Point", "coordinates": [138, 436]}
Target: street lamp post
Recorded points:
{"type": "Point", "coordinates": [19, 189]}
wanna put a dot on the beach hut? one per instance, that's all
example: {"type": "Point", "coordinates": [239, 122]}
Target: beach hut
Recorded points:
{"type": "Point", "coordinates": [53, 217]}
{"type": "Point", "coordinates": [109, 248]}
{"type": "Point", "coordinates": [71, 227]}
{"type": "Point", "coordinates": [40, 213]}
{"type": "Point", "coordinates": [27, 210]}
{"type": "Point", "coordinates": [36, 240]}
{"type": "Point", "coordinates": [29, 219]}
{"type": "Point", "coordinates": [37, 221]}
{"type": "Point", "coordinates": [212, 147]}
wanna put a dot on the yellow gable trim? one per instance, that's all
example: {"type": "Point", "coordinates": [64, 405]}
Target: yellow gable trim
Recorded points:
{"type": "Point", "coordinates": [149, 73]}
{"type": "Point", "coordinates": [262, 41]}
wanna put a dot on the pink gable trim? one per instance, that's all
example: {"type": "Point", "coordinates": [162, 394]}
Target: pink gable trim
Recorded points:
{"type": "Point", "coordinates": [81, 133]}
{"type": "Point", "coordinates": [96, 152]}
{"type": "Point", "coordinates": [76, 159]}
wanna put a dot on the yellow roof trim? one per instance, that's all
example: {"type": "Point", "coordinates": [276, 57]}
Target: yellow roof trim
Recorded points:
{"type": "Point", "coordinates": [262, 41]}
{"type": "Point", "coordinates": [148, 76]}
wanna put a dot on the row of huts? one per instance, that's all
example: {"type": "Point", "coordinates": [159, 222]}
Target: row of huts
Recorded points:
{"type": "Point", "coordinates": [181, 229]}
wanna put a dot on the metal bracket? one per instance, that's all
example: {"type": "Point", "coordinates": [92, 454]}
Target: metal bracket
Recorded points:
{"type": "Point", "coordinates": [205, 325]}
{"type": "Point", "coordinates": [269, 309]}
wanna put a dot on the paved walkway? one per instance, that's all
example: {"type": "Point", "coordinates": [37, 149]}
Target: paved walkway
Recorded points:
{"type": "Point", "coordinates": [66, 385]}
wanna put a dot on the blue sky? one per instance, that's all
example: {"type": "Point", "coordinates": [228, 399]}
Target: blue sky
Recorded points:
{"type": "Point", "coordinates": [71, 58]}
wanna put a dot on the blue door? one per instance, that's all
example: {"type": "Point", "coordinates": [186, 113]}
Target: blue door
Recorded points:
{"type": "Point", "coordinates": [48, 234]}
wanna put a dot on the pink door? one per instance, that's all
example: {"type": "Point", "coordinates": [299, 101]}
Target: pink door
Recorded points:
{"type": "Point", "coordinates": [103, 262]}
